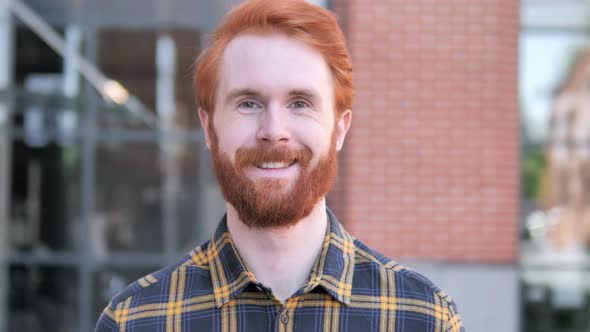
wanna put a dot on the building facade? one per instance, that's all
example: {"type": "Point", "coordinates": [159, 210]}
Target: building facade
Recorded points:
{"type": "Point", "coordinates": [430, 171]}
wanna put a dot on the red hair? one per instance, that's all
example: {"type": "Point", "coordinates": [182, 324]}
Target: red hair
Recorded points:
{"type": "Point", "coordinates": [311, 24]}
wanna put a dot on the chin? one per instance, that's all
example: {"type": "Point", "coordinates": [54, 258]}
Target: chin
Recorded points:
{"type": "Point", "coordinates": [274, 185]}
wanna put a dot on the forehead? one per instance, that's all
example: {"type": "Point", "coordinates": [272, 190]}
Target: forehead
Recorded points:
{"type": "Point", "coordinates": [273, 63]}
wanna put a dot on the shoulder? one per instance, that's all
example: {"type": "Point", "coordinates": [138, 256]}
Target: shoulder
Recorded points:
{"type": "Point", "coordinates": [155, 286]}
{"type": "Point", "coordinates": [374, 266]}
{"type": "Point", "coordinates": [402, 289]}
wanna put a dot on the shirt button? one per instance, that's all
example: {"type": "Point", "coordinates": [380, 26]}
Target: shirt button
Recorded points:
{"type": "Point", "coordinates": [284, 319]}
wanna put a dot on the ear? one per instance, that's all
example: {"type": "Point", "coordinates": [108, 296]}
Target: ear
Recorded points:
{"type": "Point", "coordinates": [204, 117]}
{"type": "Point", "coordinates": [342, 127]}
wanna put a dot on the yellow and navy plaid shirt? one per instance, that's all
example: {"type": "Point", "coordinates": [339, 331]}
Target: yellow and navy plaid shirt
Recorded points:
{"type": "Point", "coordinates": [351, 288]}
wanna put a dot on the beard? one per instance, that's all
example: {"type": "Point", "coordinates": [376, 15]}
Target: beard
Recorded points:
{"type": "Point", "coordinates": [271, 202]}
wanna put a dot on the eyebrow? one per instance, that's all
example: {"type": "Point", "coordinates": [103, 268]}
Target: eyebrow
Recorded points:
{"type": "Point", "coordinates": [235, 93]}
{"type": "Point", "coordinates": [307, 93]}
{"type": "Point", "coordinates": [248, 92]}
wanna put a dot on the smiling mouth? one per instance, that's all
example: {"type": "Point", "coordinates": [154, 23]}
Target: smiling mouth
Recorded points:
{"type": "Point", "coordinates": [275, 164]}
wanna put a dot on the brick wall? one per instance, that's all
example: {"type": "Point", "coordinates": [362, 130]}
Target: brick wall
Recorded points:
{"type": "Point", "coordinates": [430, 167]}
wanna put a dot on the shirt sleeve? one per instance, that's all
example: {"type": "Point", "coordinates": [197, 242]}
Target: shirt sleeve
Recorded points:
{"type": "Point", "coordinates": [106, 322]}
{"type": "Point", "coordinates": [454, 322]}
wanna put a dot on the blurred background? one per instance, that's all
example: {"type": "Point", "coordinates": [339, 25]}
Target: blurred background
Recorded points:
{"type": "Point", "coordinates": [554, 77]}
{"type": "Point", "coordinates": [468, 158]}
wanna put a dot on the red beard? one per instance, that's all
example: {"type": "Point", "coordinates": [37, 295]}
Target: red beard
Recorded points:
{"type": "Point", "coordinates": [266, 203]}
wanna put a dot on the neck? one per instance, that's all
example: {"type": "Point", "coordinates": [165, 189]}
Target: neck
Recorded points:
{"type": "Point", "coordinates": [281, 258]}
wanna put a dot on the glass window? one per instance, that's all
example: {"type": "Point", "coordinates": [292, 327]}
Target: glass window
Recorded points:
{"type": "Point", "coordinates": [43, 298]}
{"type": "Point", "coordinates": [45, 198]}
{"type": "Point", "coordinates": [555, 197]}
{"type": "Point", "coordinates": [145, 194]}
{"type": "Point", "coordinates": [99, 197]}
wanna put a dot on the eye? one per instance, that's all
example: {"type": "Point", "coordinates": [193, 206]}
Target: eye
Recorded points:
{"type": "Point", "coordinates": [248, 105]}
{"type": "Point", "coordinates": [299, 104]}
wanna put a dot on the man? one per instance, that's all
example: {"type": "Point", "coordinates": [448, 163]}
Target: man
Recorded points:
{"type": "Point", "coordinates": [275, 93]}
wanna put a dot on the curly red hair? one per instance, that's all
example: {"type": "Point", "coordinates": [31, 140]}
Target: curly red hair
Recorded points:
{"type": "Point", "coordinates": [311, 24]}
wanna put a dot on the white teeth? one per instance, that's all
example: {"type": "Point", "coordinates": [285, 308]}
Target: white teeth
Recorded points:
{"type": "Point", "coordinates": [274, 165]}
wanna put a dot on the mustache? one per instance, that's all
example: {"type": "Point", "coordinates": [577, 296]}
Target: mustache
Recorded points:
{"type": "Point", "coordinates": [264, 154]}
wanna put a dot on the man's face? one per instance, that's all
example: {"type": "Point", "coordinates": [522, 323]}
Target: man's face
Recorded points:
{"type": "Point", "coordinates": [274, 133]}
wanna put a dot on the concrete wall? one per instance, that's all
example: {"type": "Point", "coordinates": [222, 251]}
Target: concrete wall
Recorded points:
{"type": "Point", "coordinates": [487, 296]}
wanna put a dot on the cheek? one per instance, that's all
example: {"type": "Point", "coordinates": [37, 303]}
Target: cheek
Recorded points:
{"type": "Point", "coordinates": [233, 135]}
{"type": "Point", "coordinates": [320, 144]}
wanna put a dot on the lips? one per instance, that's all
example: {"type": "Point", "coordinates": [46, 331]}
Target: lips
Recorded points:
{"type": "Point", "coordinates": [272, 159]}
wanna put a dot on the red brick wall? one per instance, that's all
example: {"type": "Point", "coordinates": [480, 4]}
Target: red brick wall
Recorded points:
{"type": "Point", "coordinates": [430, 167]}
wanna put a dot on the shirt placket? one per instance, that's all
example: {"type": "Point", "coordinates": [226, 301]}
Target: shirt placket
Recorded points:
{"type": "Point", "coordinates": [285, 318]}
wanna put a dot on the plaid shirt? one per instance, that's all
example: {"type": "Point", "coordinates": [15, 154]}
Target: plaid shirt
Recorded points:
{"type": "Point", "coordinates": [351, 288]}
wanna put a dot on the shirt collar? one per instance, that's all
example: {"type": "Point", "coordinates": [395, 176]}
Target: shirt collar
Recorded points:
{"type": "Point", "coordinates": [229, 274]}
{"type": "Point", "coordinates": [333, 269]}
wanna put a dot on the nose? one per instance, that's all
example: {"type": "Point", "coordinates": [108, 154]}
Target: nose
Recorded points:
{"type": "Point", "coordinates": [273, 126]}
